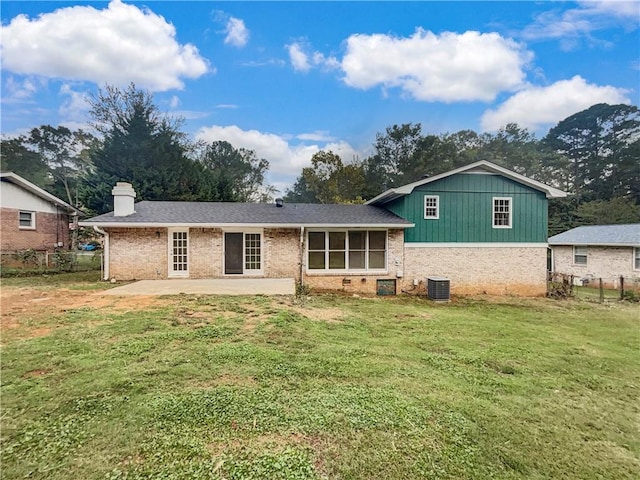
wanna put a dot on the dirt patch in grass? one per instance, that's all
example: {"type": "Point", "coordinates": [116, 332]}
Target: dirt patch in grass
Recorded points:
{"type": "Point", "coordinates": [35, 373]}
{"type": "Point", "coordinates": [36, 310]}
{"type": "Point", "coordinates": [271, 443]}
{"type": "Point", "coordinates": [329, 315]}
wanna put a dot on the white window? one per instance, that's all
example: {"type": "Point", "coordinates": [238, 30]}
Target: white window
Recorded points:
{"type": "Point", "coordinates": [636, 258]}
{"type": "Point", "coordinates": [502, 211]}
{"type": "Point", "coordinates": [431, 207]}
{"type": "Point", "coordinates": [178, 253]}
{"type": "Point", "coordinates": [347, 250]}
{"type": "Point", "coordinates": [27, 220]}
{"type": "Point", "coordinates": [580, 255]}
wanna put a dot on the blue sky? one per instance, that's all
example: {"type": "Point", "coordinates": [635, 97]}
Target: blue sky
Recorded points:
{"type": "Point", "coordinates": [288, 79]}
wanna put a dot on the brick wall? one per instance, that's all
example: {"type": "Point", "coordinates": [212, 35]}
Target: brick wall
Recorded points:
{"type": "Point", "coordinates": [140, 253]}
{"type": "Point", "coordinates": [137, 253]}
{"type": "Point", "coordinates": [608, 263]}
{"type": "Point", "coordinates": [205, 253]}
{"type": "Point", "coordinates": [281, 253]}
{"type": "Point", "coordinates": [50, 229]}
{"type": "Point", "coordinates": [475, 270]}
{"type": "Point", "coordinates": [143, 253]}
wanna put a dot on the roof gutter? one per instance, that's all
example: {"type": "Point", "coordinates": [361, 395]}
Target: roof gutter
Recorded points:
{"type": "Point", "coordinates": [102, 225]}
{"type": "Point", "coordinates": [592, 244]}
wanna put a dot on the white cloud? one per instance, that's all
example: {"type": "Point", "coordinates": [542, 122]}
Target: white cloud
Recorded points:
{"type": "Point", "coordinates": [237, 33]}
{"type": "Point", "coordinates": [277, 62]}
{"type": "Point", "coordinates": [302, 59]}
{"type": "Point", "coordinates": [448, 67]}
{"type": "Point", "coordinates": [286, 160]}
{"type": "Point", "coordinates": [536, 107]}
{"type": "Point", "coordinates": [117, 45]}
{"type": "Point", "coordinates": [587, 17]}
{"type": "Point", "coordinates": [317, 136]}
{"type": "Point", "coordinates": [74, 107]}
{"type": "Point", "coordinates": [174, 102]}
{"type": "Point", "coordinates": [19, 90]}
{"type": "Point", "coordinates": [299, 59]}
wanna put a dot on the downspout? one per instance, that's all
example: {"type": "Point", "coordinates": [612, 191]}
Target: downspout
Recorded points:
{"type": "Point", "coordinates": [301, 254]}
{"type": "Point", "coordinates": [58, 222]}
{"type": "Point", "coordinates": [105, 251]}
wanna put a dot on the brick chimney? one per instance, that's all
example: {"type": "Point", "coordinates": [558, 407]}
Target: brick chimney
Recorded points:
{"type": "Point", "coordinates": [123, 195]}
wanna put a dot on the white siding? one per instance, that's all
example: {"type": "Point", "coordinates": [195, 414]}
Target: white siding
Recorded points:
{"type": "Point", "coordinates": [12, 196]}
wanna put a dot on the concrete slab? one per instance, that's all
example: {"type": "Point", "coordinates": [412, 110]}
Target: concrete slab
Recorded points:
{"type": "Point", "coordinates": [213, 286]}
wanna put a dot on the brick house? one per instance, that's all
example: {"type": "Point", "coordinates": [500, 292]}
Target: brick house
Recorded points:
{"type": "Point", "coordinates": [31, 218]}
{"type": "Point", "coordinates": [598, 251]}
{"type": "Point", "coordinates": [342, 245]}
{"type": "Point", "coordinates": [482, 226]}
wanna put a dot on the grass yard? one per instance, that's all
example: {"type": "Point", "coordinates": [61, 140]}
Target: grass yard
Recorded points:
{"type": "Point", "coordinates": [205, 387]}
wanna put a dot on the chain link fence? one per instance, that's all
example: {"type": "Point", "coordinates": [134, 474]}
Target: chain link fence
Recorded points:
{"type": "Point", "coordinates": [31, 262]}
{"type": "Point", "coordinates": [598, 289]}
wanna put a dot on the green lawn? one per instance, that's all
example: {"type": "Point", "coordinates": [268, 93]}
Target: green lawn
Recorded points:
{"type": "Point", "coordinates": [193, 387]}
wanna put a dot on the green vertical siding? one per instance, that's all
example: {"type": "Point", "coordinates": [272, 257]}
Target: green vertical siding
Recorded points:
{"type": "Point", "coordinates": [466, 208]}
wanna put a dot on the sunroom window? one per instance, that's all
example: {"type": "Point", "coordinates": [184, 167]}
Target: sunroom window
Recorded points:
{"type": "Point", "coordinates": [347, 250]}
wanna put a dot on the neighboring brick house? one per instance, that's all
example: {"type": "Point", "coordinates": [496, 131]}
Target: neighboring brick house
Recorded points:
{"type": "Point", "coordinates": [31, 218]}
{"type": "Point", "coordinates": [482, 226]}
{"type": "Point", "coordinates": [598, 251]}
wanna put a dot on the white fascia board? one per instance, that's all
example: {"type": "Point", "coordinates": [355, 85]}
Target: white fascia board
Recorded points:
{"type": "Point", "coordinates": [551, 192]}
{"type": "Point", "coordinates": [475, 245]}
{"type": "Point", "coordinates": [594, 244]}
{"type": "Point", "coordinates": [240, 225]}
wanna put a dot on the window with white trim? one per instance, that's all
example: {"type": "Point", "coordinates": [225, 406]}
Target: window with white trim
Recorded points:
{"type": "Point", "coordinates": [636, 258]}
{"type": "Point", "coordinates": [580, 255]}
{"type": "Point", "coordinates": [27, 220]}
{"type": "Point", "coordinates": [502, 212]}
{"type": "Point", "coordinates": [347, 250]}
{"type": "Point", "coordinates": [431, 207]}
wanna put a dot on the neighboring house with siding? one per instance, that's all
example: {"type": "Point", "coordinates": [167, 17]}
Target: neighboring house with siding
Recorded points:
{"type": "Point", "coordinates": [30, 217]}
{"type": "Point", "coordinates": [598, 251]}
{"type": "Point", "coordinates": [482, 226]}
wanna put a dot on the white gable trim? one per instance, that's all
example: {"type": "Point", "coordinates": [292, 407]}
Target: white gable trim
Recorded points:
{"type": "Point", "coordinates": [478, 167]}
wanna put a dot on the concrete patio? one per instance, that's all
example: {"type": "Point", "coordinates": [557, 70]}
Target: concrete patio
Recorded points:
{"type": "Point", "coordinates": [213, 286]}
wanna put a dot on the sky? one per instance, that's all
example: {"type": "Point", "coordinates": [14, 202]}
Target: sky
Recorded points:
{"type": "Point", "coordinates": [288, 79]}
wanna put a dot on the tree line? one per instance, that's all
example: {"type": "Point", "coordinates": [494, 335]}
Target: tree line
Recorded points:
{"type": "Point", "coordinates": [594, 155]}
{"type": "Point", "coordinates": [133, 142]}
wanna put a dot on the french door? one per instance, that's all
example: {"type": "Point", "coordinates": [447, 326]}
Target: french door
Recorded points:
{"type": "Point", "coordinates": [178, 253]}
{"type": "Point", "coordinates": [242, 253]}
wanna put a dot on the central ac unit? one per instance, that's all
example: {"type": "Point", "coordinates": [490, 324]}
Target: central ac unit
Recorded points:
{"type": "Point", "coordinates": [438, 289]}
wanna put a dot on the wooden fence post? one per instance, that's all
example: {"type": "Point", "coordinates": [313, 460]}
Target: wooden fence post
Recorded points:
{"type": "Point", "coordinates": [601, 291]}
{"type": "Point", "coordinates": [621, 287]}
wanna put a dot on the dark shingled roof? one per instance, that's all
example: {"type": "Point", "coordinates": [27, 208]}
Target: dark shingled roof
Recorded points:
{"type": "Point", "coordinates": [604, 235]}
{"type": "Point", "coordinates": [227, 213]}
